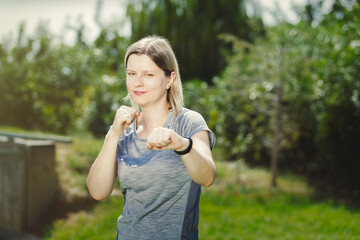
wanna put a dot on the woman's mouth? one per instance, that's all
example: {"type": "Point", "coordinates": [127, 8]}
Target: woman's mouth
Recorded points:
{"type": "Point", "coordinates": [139, 93]}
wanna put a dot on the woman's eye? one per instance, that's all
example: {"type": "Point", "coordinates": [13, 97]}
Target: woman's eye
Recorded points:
{"type": "Point", "coordinates": [131, 74]}
{"type": "Point", "coordinates": [149, 75]}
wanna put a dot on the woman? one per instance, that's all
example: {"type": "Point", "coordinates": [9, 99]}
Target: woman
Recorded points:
{"type": "Point", "coordinates": [159, 150]}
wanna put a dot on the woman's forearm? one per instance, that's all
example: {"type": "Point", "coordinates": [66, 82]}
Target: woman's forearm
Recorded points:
{"type": "Point", "coordinates": [199, 161]}
{"type": "Point", "coordinates": [102, 174]}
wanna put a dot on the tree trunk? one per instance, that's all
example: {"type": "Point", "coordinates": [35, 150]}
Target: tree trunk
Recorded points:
{"type": "Point", "coordinates": [277, 134]}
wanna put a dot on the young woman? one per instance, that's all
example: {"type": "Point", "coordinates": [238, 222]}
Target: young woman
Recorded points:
{"type": "Point", "coordinates": [159, 150]}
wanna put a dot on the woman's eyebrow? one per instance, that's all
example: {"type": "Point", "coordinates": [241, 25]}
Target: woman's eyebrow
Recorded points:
{"type": "Point", "coordinates": [145, 70]}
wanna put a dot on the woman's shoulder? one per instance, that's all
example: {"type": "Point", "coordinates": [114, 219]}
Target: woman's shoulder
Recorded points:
{"type": "Point", "coordinates": [187, 116]}
{"type": "Point", "coordinates": [188, 113]}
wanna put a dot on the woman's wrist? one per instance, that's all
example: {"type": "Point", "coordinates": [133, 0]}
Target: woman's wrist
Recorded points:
{"type": "Point", "coordinates": [186, 148]}
{"type": "Point", "coordinates": [114, 133]}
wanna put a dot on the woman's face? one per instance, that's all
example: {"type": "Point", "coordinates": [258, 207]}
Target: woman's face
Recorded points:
{"type": "Point", "coordinates": [146, 82]}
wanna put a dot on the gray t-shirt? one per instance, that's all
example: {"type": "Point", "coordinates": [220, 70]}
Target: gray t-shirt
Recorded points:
{"type": "Point", "coordinates": [161, 200]}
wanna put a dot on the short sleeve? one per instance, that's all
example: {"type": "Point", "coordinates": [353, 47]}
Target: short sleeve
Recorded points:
{"type": "Point", "coordinates": [191, 122]}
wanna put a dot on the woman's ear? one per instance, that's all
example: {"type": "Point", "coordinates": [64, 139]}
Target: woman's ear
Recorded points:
{"type": "Point", "coordinates": [171, 79]}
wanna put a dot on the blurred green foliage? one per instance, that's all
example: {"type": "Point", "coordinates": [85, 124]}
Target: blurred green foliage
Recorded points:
{"type": "Point", "coordinates": [319, 71]}
{"type": "Point", "coordinates": [231, 66]}
{"type": "Point", "coordinates": [48, 85]}
{"type": "Point", "coordinates": [192, 26]}
{"type": "Point", "coordinates": [41, 82]}
{"type": "Point", "coordinates": [109, 88]}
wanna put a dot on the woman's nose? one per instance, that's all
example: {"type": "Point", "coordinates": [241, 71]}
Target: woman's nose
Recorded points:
{"type": "Point", "coordinates": [138, 81]}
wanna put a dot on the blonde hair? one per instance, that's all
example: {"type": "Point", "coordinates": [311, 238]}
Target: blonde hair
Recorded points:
{"type": "Point", "coordinates": [158, 49]}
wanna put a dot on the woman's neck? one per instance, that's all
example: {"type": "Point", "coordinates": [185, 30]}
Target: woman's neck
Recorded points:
{"type": "Point", "coordinates": [151, 118]}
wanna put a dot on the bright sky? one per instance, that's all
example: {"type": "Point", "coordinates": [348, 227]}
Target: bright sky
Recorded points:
{"type": "Point", "coordinates": [55, 12]}
{"type": "Point", "coordinates": [286, 6]}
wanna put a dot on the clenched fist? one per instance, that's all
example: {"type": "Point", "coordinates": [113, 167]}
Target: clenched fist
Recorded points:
{"type": "Point", "coordinates": [163, 138]}
{"type": "Point", "coordinates": [123, 118]}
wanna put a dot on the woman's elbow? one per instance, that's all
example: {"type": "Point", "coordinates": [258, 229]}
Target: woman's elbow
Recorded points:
{"type": "Point", "coordinates": [95, 193]}
{"type": "Point", "coordinates": [98, 197]}
{"type": "Point", "coordinates": [210, 179]}
{"type": "Point", "coordinates": [207, 184]}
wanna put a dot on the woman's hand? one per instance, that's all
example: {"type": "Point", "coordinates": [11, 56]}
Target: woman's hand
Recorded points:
{"type": "Point", "coordinates": [124, 117]}
{"type": "Point", "coordinates": [102, 174]}
{"type": "Point", "coordinates": [198, 162]}
{"type": "Point", "coordinates": [164, 138]}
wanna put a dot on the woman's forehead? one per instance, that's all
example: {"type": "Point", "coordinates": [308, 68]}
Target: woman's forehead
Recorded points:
{"type": "Point", "coordinates": [138, 61]}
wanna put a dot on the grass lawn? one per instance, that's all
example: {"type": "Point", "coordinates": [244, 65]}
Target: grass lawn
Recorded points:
{"type": "Point", "coordinates": [273, 215]}
{"type": "Point", "coordinates": [239, 205]}
{"type": "Point", "coordinates": [251, 215]}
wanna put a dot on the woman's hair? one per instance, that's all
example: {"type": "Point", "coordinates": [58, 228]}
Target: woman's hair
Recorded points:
{"type": "Point", "coordinates": [158, 49]}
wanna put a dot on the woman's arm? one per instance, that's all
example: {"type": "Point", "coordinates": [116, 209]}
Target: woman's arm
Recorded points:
{"type": "Point", "coordinates": [198, 162]}
{"type": "Point", "coordinates": [102, 174]}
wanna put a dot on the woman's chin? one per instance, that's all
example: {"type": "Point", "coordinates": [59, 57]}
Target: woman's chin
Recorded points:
{"type": "Point", "coordinates": [139, 103]}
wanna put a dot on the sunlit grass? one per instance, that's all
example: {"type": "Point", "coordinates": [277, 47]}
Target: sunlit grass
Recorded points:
{"type": "Point", "coordinates": [239, 205]}
{"type": "Point", "coordinates": [100, 223]}
{"type": "Point", "coordinates": [273, 215]}
{"type": "Point", "coordinates": [74, 161]}
{"type": "Point", "coordinates": [236, 210]}
{"type": "Point", "coordinates": [17, 130]}
{"type": "Point", "coordinates": [245, 207]}
{"type": "Point", "coordinates": [256, 215]}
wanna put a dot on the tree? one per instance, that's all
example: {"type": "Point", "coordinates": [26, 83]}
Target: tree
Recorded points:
{"type": "Point", "coordinates": [320, 108]}
{"type": "Point", "coordinates": [42, 82]}
{"type": "Point", "coordinates": [193, 27]}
